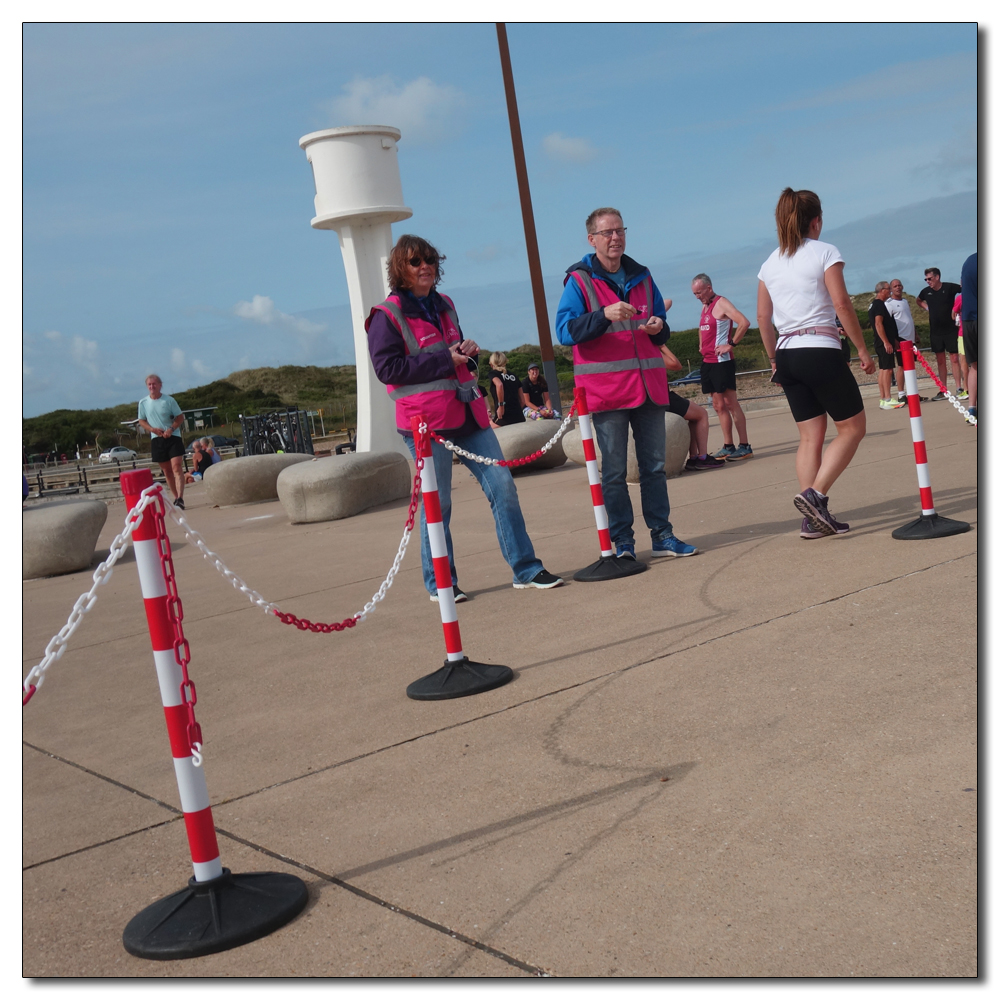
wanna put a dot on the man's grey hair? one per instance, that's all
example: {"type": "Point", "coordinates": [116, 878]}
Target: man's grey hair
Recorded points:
{"type": "Point", "coordinates": [153, 375]}
{"type": "Point", "coordinates": [596, 214]}
{"type": "Point", "coordinates": [880, 285]}
{"type": "Point", "coordinates": [894, 280]}
{"type": "Point", "coordinates": [703, 278]}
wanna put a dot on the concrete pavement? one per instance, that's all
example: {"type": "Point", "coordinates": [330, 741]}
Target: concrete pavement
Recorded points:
{"type": "Point", "coordinates": [759, 761]}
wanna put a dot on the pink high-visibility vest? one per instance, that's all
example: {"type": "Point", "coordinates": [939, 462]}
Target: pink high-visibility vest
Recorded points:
{"type": "Point", "coordinates": [442, 401]}
{"type": "Point", "coordinates": [622, 367]}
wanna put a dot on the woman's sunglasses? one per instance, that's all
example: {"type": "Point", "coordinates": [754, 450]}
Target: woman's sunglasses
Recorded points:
{"type": "Point", "coordinates": [417, 261]}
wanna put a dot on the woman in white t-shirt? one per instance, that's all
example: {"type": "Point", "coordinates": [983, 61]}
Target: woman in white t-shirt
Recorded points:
{"type": "Point", "coordinates": [800, 295]}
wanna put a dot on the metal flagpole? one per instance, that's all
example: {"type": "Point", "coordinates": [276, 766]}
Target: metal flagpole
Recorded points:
{"type": "Point", "coordinates": [528, 216]}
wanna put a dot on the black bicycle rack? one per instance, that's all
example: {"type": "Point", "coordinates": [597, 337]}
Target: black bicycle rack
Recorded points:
{"type": "Point", "coordinates": [280, 430]}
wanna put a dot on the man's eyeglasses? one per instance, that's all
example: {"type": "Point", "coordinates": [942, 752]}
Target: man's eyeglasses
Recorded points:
{"type": "Point", "coordinates": [608, 233]}
{"type": "Point", "coordinates": [417, 261]}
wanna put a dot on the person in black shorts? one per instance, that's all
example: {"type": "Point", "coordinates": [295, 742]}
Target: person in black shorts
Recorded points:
{"type": "Point", "coordinates": [886, 347]}
{"type": "Point", "coordinates": [162, 417]}
{"type": "Point", "coordinates": [505, 388]}
{"type": "Point", "coordinates": [697, 418]}
{"type": "Point", "coordinates": [970, 327]}
{"type": "Point", "coordinates": [937, 299]}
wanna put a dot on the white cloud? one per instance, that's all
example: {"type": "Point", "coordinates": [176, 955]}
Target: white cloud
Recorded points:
{"type": "Point", "coordinates": [200, 368]}
{"type": "Point", "coordinates": [177, 360]}
{"type": "Point", "coordinates": [261, 309]}
{"type": "Point", "coordinates": [85, 353]}
{"type": "Point", "coordinates": [422, 110]}
{"type": "Point", "coordinates": [902, 82]}
{"type": "Point", "coordinates": [53, 335]}
{"type": "Point", "coordinates": [568, 149]}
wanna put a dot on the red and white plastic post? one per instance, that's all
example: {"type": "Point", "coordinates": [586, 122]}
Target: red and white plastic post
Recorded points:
{"type": "Point", "coordinates": [930, 524]}
{"type": "Point", "coordinates": [459, 676]}
{"type": "Point", "coordinates": [608, 567]}
{"type": "Point", "coordinates": [190, 775]}
{"type": "Point", "coordinates": [218, 910]}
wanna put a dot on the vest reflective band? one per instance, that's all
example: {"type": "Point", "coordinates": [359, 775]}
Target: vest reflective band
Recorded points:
{"type": "Point", "coordinates": [621, 368]}
{"type": "Point", "coordinates": [443, 400]}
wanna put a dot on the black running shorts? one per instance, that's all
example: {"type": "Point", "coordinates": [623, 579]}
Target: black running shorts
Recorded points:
{"type": "Point", "coordinates": [718, 376]}
{"type": "Point", "coordinates": [817, 380]}
{"type": "Point", "coordinates": [970, 334]}
{"type": "Point", "coordinates": [944, 339]}
{"type": "Point", "coordinates": [887, 362]}
{"type": "Point", "coordinates": [164, 449]}
{"type": "Point", "coordinates": [678, 404]}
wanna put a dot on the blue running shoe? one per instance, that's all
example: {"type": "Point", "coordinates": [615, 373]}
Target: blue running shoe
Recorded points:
{"type": "Point", "coordinates": [625, 550]}
{"type": "Point", "coordinates": [672, 546]}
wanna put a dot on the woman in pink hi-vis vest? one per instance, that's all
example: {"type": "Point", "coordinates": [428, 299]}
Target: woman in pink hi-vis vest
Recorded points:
{"type": "Point", "coordinates": [428, 367]}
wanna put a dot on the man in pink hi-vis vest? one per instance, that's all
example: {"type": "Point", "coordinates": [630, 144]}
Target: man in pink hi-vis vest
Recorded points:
{"type": "Point", "coordinates": [614, 318]}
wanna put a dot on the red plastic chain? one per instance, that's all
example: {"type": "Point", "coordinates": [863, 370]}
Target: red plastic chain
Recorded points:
{"type": "Point", "coordinates": [175, 614]}
{"type": "Point", "coordinates": [927, 367]}
{"type": "Point", "coordinates": [303, 624]}
{"type": "Point", "coordinates": [509, 462]}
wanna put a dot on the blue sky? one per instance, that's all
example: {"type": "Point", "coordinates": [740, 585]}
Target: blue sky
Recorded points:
{"type": "Point", "coordinates": [167, 203]}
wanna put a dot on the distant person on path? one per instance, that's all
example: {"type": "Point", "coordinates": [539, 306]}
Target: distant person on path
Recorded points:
{"type": "Point", "coordinates": [420, 354]}
{"type": "Point", "coordinates": [800, 295]}
{"type": "Point", "coordinates": [956, 315]}
{"type": "Point", "coordinates": [886, 347]}
{"type": "Point", "coordinates": [936, 299]}
{"type": "Point", "coordinates": [162, 417]}
{"type": "Point", "coordinates": [505, 388]}
{"type": "Point", "coordinates": [718, 368]}
{"type": "Point", "coordinates": [697, 418]}
{"type": "Point", "coordinates": [614, 318]}
{"type": "Point", "coordinates": [537, 405]}
{"type": "Point", "coordinates": [970, 327]}
{"type": "Point", "coordinates": [899, 309]}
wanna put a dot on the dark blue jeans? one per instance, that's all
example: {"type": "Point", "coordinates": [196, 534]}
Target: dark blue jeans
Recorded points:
{"type": "Point", "coordinates": [650, 434]}
{"type": "Point", "coordinates": [498, 485]}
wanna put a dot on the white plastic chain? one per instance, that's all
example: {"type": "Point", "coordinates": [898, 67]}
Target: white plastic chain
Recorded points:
{"type": "Point", "coordinates": [451, 446]}
{"type": "Point", "coordinates": [954, 402]}
{"type": "Point", "coordinates": [255, 598]}
{"type": "Point", "coordinates": [57, 644]}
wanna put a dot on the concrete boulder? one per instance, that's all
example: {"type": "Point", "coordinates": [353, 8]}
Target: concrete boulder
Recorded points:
{"type": "Point", "coordinates": [676, 454]}
{"type": "Point", "coordinates": [327, 489]}
{"type": "Point", "coordinates": [249, 479]}
{"type": "Point", "coordinates": [520, 440]}
{"type": "Point", "coordinates": [60, 537]}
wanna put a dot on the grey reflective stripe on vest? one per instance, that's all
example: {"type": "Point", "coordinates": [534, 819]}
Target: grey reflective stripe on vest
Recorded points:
{"type": "Point", "coordinates": [412, 390]}
{"type": "Point", "coordinates": [629, 365]}
{"type": "Point", "coordinates": [588, 287]}
{"type": "Point", "coordinates": [412, 347]}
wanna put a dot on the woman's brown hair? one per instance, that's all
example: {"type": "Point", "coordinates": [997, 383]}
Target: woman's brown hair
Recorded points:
{"type": "Point", "coordinates": [796, 209]}
{"type": "Point", "coordinates": [408, 246]}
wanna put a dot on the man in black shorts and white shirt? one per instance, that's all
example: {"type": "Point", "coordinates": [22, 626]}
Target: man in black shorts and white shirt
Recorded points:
{"type": "Point", "coordinates": [162, 417]}
{"type": "Point", "coordinates": [938, 299]}
{"type": "Point", "coordinates": [886, 347]}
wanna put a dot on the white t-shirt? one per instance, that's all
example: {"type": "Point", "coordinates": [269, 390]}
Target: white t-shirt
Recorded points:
{"type": "Point", "coordinates": [798, 292]}
{"type": "Point", "coordinates": [899, 310]}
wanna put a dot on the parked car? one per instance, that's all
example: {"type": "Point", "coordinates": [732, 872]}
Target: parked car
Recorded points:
{"type": "Point", "coordinates": [117, 454]}
{"type": "Point", "coordinates": [218, 440]}
{"type": "Point", "coordinates": [690, 379]}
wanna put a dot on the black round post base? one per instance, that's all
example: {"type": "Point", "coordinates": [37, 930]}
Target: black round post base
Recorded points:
{"type": "Point", "coordinates": [207, 917]}
{"type": "Point", "coordinates": [609, 568]}
{"type": "Point", "coordinates": [459, 679]}
{"type": "Point", "coordinates": [930, 526]}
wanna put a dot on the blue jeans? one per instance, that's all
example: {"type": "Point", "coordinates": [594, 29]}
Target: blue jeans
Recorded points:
{"type": "Point", "coordinates": [650, 434]}
{"type": "Point", "coordinates": [498, 485]}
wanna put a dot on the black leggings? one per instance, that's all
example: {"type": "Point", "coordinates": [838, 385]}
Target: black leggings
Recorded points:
{"type": "Point", "coordinates": [817, 380]}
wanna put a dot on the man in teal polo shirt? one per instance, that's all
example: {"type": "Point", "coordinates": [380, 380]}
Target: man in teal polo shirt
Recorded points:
{"type": "Point", "coordinates": [162, 417]}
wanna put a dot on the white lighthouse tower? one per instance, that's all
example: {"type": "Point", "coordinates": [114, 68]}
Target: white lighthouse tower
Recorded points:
{"type": "Point", "coordinates": [360, 195]}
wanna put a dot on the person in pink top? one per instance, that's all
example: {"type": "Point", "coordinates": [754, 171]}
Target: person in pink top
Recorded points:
{"type": "Point", "coordinates": [718, 369]}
